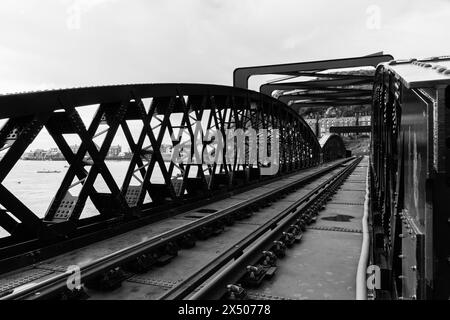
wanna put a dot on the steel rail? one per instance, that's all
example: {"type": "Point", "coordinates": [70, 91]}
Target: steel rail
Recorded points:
{"type": "Point", "coordinates": [186, 287]}
{"type": "Point", "coordinates": [214, 289]}
{"type": "Point", "coordinates": [53, 285]}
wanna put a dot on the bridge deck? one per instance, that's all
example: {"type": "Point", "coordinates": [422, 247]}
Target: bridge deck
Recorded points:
{"type": "Point", "coordinates": [152, 284]}
{"type": "Point", "coordinates": [85, 255]}
{"type": "Point", "coordinates": [324, 264]}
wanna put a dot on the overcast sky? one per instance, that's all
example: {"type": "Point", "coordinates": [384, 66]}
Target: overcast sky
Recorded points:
{"type": "Point", "coordinates": [64, 43]}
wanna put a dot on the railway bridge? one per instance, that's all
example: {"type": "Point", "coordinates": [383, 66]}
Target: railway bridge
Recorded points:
{"type": "Point", "coordinates": [247, 203]}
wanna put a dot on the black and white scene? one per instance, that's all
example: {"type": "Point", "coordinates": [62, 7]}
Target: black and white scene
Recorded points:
{"type": "Point", "coordinates": [235, 153]}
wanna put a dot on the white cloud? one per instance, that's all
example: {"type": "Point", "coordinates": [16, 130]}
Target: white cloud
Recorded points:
{"type": "Point", "coordinates": [201, 40]}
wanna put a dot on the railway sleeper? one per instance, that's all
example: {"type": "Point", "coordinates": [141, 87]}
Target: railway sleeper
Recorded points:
{"type": "Point", "coordinates": [256, 274]}
{"type": "Point", "coordinates": [288, 239]}
{"type": "Point", "coordinates": [267, 203]}
{"type": "Point", "coordinates": [211, 230]}
{"type": "Point", "coordinates": [296, 231]}
{"type": "Point", "coordinates": [165, 254]}
{"type": "Point", "coordinates": [229, 220]}
{"type": "Point", "coordinates": [269, 258]}
{"type": "Point", "coordinates": [245, 213]}
{"type": "Point", "coordinates": [310, 217]}
{"type": "Point", "coordinates": [218, 227]}
{"type": "Point", "coordinates": [187, 241]}
{"type": "Point", "coordinates": [313, 220]}
{"type": "Point", "coordinates": [204, 233]}
{"type": "Point", "coordinates": [108, 280]}
{"type": "Point", "coordinates": [74, 294]}
{"type": "Point", "coordinates": [283, 195]}
{"type": "Point", "coordinates": [265, 268]}
{"type": "Point", "coordinates": [279, 248]}
{"type": "Point", "coordinates": [235, 292]}
{"type": "Point", "coordinates": [301, 222]}
{"type": "Point", "coordinates": [140, 264]}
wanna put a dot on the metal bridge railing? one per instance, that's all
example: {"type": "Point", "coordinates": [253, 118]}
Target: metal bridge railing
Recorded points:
{"type": "Point", "coordinates": [164, 110]}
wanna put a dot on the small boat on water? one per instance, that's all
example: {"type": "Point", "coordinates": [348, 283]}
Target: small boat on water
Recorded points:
{"type": "Point", "coordinates": [48, 171]}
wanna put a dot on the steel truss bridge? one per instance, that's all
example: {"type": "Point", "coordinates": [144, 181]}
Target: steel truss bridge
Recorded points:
{"type": "Point", "coordinates": [218, 107]}
{"type": "Point", "coordinates": [408, 230]}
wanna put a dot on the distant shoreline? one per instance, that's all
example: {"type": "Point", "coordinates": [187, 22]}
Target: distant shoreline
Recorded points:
{"type": "Point", "coordinates": [111, 159]}
{"type": "Point", "coordinates": [166, 157]}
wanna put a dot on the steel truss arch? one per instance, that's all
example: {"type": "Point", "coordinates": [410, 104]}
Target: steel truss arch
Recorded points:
{"type": "Point", "coordinates": [213, 106]}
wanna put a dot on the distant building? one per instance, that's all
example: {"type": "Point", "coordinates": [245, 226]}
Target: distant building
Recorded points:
{"type": "Point", "coordinates": [128, 155]}
{"type": "Point", "coordinates": [114, 151]}
{"type": "Point", "coordinates": [38, 154]}
{"type": "Point", "coordinates": [166, 148]}
{"type": "Point", "coordinates": [324, 124]}
{"type": "Point", "coordinates": [53, 154]}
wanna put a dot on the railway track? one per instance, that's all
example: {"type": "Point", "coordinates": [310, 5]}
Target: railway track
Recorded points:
{"type": "Point", "coordinates": [259, 251]}
{"type": "Point", "coordinates": [281, 230]}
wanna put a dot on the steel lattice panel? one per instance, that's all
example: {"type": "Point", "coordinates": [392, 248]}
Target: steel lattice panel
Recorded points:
{"type": "Point", "coordinates": [214, 107]}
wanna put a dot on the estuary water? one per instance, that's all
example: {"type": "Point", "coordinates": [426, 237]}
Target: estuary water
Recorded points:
{"type": "Point", "coordinates": [36, 190]}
